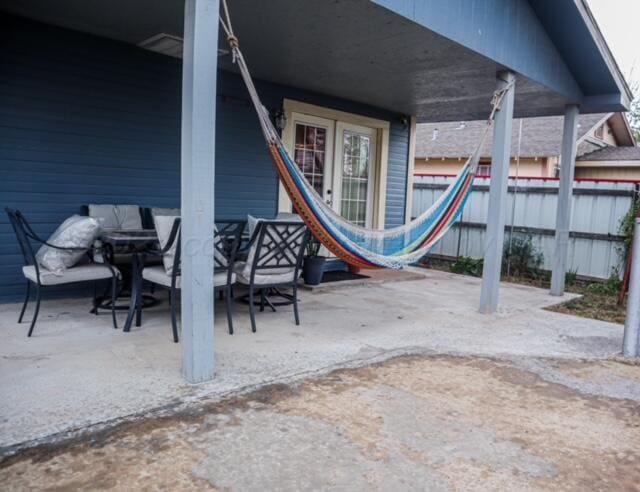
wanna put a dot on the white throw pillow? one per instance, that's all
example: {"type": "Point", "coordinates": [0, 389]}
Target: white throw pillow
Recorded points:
{"type": "Point", "coordinates": [116, 217]}
{"type": "Point", "coordinates": [75, 232]}
{"type": "Point", "coordinates": [164, 224]}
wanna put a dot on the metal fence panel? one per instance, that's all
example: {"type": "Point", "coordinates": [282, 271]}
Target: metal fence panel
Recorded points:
{"type": "Point", "coordinates": [598, 209]}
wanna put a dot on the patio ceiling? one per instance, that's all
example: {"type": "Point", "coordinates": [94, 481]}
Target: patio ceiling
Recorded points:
{"type": "Point", "coordinates": [354, 49]}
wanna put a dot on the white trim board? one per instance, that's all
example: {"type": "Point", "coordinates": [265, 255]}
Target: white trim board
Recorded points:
{"type": "Point", "coordinates": [626, 96]}
{"type": "Point", "coordinates": [410, 170]}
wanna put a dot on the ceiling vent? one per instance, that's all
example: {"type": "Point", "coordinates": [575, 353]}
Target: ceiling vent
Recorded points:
{"type": "Point", "coordinates": [169, 45]}
{"type": "Point", "coordinates": [165, 44]}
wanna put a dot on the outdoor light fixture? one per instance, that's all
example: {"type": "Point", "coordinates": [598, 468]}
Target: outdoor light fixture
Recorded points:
{"type": "Point", "coordinates": [280, 120]}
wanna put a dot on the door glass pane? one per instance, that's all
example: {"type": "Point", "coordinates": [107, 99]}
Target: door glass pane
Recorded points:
{"type": "Point", "coordinates": [356, 163]}
{"type": "Point", "coordinates": [309, 153]}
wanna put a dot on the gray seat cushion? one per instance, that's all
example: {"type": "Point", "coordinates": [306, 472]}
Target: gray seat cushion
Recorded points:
{"type": "Point", "coordinates": [252, 223]}
{"type": "Point", "coordinates": [288, 217]}
{"type": "Point", "coordinates": [120, 217]}
{"type": "Point", "coordinates": [163, 225]}
{"type": "Point", "coordinates": [158, 275]}
{"type": "Point", "coordinates": [265, 277]}
{"type": "Point", "coordinates": [80, 273]}
{"type": "Point", "coordinates": [173, 212]}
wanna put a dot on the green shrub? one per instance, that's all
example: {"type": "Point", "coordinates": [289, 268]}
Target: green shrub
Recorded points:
{"type": "Point", "coordinates": [610, 287]}
{"type": "Point", "coordinates": [312, 248]}
{"type": "Point", "coordinates": [570, 277]}
{"type": "Point", "coordinates": [521, 258]}
{"type": "Point", "coordinates": [467, 266]}
{"type": "Point", "coordinates": [627, 225]}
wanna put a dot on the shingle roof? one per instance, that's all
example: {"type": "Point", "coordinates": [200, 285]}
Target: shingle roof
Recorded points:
{"type": "Point", "coordinates": [613, 154]}
{"type": "Point", "coordinates": [541, 137]}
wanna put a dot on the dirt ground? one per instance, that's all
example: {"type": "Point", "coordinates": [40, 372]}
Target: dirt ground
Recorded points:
{"type": "Point", "coordinates": [593, 305]}
{"type": "Point", "coordinates": [599, 300]}
{"type": "Point", "coordinates": [411, 423]}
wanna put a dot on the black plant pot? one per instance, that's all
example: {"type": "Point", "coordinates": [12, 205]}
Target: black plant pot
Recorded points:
{"type": "Point", "coordinates": [312, 269]}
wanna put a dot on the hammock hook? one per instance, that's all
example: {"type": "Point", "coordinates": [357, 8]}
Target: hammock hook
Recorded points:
{"type": "Point", "coordinates": [235, 46]}
{"type": "Point", "coordinates": [233, 42]}
{"type": "Point", "coordinates": [496, 100]}
{"type": "Point", "coordinates": [232, 39]}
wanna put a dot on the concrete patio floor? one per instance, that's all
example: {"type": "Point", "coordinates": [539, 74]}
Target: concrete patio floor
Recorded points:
{"type": "Point", "coordinates": [77, 373]}
{"type": "Point", "coordinates": [436, 423]}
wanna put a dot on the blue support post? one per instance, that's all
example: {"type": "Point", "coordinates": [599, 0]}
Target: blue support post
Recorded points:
{"type": "Point", "coordinates": [631, 339]}
{"type": "Point", "coordinates": [500, 160]}
{"type": "Point", "coordinates": [199, 72]}
{"type": "Point", "coordinates": [565, 191]}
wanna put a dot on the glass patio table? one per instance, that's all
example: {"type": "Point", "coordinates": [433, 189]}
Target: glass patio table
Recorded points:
{"type": "Point", "coordinates": [135, 243]}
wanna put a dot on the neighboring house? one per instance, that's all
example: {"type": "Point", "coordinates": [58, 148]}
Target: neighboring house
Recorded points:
{"type": "Point", "coordinates": [606, 147]}
{"type": "Point", "coordinates": [610, 163]}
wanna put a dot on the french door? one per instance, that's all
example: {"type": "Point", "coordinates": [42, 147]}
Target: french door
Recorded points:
{"type": "Point", "coordinates": [313, 150]}
{"type": "Point", "coordinates": [354, 172]}
{"type": "Point", "coordinates": [338, 159]}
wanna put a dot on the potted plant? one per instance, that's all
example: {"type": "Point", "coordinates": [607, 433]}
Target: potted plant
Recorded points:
{"type": "Point", "coordinates": [313, 265]}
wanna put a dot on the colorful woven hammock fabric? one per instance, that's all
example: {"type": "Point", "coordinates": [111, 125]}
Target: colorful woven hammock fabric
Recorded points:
{"type": "Point", "coordinates": [358, 246]}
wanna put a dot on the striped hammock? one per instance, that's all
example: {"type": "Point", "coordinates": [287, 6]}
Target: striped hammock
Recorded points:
{"type": "Point", "coordinates": [358, 246]}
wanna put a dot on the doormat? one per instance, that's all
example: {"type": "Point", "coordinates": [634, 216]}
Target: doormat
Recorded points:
{"type": "Point", "coordinates": [339, 276]}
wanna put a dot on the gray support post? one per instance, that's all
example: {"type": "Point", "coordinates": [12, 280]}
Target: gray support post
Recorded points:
{"type": "Point", "coordinates": [631, 343]}
{"type": "Point", "coordinates": [500, 159]}
{"type": "Point", "coordinates": [565, 190]}
{"type": "Point", "coordinates": [199, 72]}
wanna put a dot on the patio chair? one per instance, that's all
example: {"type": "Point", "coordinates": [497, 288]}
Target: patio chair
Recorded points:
{"type": "Point", "coordinates": [234, 236]}
{"type": "Point", "coordinates": [40, 277]}
{"type": "Point", "coordinates": [170, 278]}
{"type": "Point", "coordinates": [149, 213]}
{"type": "Point", "coordinates": [274, 259]}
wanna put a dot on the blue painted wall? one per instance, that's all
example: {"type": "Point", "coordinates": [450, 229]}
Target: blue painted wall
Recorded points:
{"type": "Point", "coordinates": [88, 120]}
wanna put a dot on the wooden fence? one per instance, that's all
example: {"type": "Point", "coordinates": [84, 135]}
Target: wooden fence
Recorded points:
{"type": "Point", "coordinates": [598, 209]}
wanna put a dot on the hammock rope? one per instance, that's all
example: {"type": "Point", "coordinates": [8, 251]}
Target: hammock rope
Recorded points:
{"type": "Point", "coordinates": [359, 246]}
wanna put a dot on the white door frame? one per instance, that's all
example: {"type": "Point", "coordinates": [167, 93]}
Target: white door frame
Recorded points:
{"type": "Point", "coordinates": [382, 150]}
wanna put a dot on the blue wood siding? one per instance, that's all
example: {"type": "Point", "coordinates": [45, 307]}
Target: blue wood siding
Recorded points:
{"type": "Point", "coordinates": [397, 174]}
{"type": "Point", "coordinates": [88, 120]}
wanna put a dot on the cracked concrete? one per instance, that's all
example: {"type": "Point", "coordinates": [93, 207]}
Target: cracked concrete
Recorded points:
{"type": "Point", "coordinates": [410, 423]}
{"type": "Point", "coordinates": [78, 374]}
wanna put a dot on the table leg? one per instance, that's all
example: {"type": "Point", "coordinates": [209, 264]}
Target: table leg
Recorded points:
{"type": "Point", "coordinates": [135, 293]}
{"type": "Point", "coordinates": [139, 296]}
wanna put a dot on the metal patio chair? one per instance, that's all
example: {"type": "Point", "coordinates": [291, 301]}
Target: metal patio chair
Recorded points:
{"type": "Point", "coordinates": [34, 274]}
{"type": "Point", "coordinates": [226, 240]}
{"type": "Point", "coordinates": [274, 260]}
